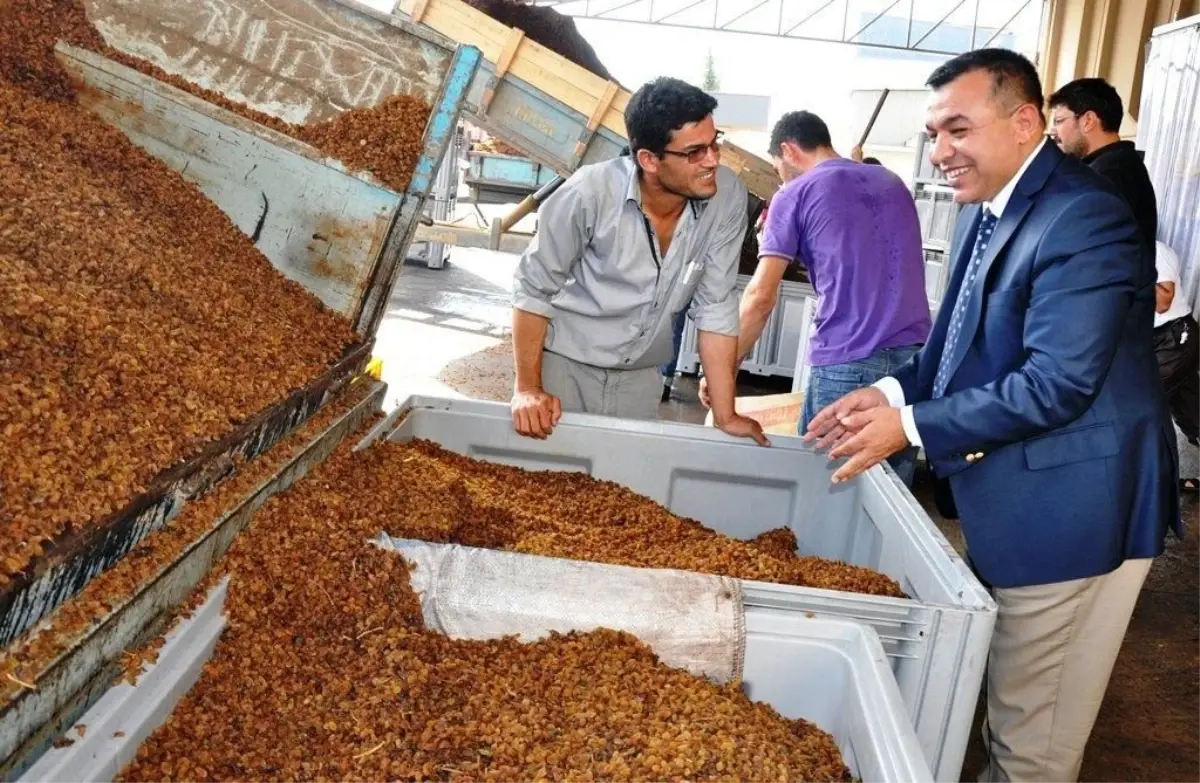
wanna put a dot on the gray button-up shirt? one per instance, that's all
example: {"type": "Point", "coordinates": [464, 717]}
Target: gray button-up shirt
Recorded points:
{"type": "Point", "coordinates": [593, 268]}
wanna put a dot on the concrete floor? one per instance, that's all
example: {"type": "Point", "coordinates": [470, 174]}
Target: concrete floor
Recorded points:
{"type": "Point", "coordinates": [446, 334]}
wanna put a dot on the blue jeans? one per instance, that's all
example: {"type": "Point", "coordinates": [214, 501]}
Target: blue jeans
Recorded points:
{"type": "Point", "coordinates": [831, 382]}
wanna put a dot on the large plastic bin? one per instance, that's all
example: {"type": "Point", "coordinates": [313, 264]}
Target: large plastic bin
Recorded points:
{"type": "Point", "coordinates": [830, 672]}
{"type": "Point", "coordinates": [936, 641]}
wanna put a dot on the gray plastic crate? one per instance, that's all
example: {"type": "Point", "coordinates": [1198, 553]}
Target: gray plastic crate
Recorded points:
{"type": "Point", "coordinates": [803, 368]}
{"type": "Point", "coordinates": [775, 351]}
{"type": "Point", "coordinates": [689, 348]}
{"type": "Point", "coordinates": [937, 212]}
{"type": "Point", "coordinates": [830, 672]}
{"type": "Point", "coordinates": [936, 641]}
{"type": "Point", "coordinates": [937, 274]}
{"type": "Point", "coordinates": [787, 327]}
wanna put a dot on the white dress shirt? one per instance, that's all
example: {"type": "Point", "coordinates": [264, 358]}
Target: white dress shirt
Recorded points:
{"type": "Point", "coordinates": [890, 386]}
{"type": "Point", "coordinates": [1167, 264]}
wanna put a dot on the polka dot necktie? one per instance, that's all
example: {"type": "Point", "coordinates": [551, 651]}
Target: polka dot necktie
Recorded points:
{"type": "Point", "coordinates": [982, 237]}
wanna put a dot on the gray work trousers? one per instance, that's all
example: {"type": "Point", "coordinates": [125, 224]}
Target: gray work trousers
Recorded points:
{"type": "Point", "coordinates": [627, 394]}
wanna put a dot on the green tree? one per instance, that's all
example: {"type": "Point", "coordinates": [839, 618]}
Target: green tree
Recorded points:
{"type": "Point", "coordinates": [711, 83]}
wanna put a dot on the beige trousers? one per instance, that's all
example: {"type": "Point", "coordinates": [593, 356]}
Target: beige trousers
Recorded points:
{"type": "Point", "coordinates": [1052, 654]}
{"type": "Point", "coordinates": [582, 388]}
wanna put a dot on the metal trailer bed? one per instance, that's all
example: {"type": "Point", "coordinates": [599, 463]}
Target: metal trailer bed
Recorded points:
{"type": "Point", "coordinates": [556, 112]}
{"type": "Point", "coordinates": [301, 60]}
{"type": "Point", "coordinates": [242, 167]}
{"type": "Point", "coordinates": [496, 179]}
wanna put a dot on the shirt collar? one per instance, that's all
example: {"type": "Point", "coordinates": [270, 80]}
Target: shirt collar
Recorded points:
{"type": "Point", "coordinates": [997, 205]}
{"type": "Point", "coordinates": [633, 192]}
{"type": "Point", "coordinates": [1112, 146]}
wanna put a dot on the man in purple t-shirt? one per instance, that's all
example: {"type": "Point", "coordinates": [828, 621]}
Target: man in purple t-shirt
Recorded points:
{"type": "Point", "coordinates": [855, 229]}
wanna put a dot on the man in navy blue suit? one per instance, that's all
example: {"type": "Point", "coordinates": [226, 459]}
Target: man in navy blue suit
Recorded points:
{"type": "Point", "coordinates": [1037, 402]}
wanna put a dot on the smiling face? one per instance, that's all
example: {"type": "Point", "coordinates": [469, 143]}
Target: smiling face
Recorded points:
{"type": "Point", "coordinates": [688, 167]}
{"type": "Point", "coordinates": [980, 136]}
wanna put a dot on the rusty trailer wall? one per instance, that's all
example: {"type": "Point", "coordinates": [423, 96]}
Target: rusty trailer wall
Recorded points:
{"type": "Point", "coordinates": [300, 60]}
{"type": "Point", "coordinates": [340, 235]}
{"type": "Point", "coordinates": [319, 225]}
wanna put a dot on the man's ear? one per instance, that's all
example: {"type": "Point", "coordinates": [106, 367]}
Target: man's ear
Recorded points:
{"type": "Point", "coordinates": [792, 154]}
{"type": "Point", "coordinates": [1089, 122]}
{"type": "Point", "coordinates": [1030, 122]}
{"type": "Point", "coordinates": [648, 161]}
{"type": "Point", "coordinates": [785, 152]}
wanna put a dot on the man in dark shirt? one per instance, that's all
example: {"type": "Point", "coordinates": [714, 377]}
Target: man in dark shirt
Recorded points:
{"type": "Point", "coordinates": [1085, 117]}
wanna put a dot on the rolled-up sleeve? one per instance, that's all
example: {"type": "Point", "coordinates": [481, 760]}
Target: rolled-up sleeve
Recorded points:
{"type": "Point", "coordinates": [715, 303]}
{"type": "Point", "coordinates": [563, 227]}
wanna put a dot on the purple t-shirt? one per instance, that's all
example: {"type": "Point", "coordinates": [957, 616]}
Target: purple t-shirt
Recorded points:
{"type": "Point", "coordinates": [855, 228]}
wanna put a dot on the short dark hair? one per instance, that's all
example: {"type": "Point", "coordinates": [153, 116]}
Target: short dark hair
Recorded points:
{"type": "Point", "coordinates": [660, 107]}
{"type": "Point", "coordinates": [872, 161]}
{"type": "Point", "coordinates": [802, 128]}
{"type": "Point", "coordinates": [1092, 94]}
{"type": "Point", "coordinates": [1011, 72]}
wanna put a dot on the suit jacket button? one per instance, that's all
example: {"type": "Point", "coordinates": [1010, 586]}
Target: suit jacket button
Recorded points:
{"type": "Point", "coordinates": [970, 458]}
{"type": "Point", "coordinates": [978, 455]}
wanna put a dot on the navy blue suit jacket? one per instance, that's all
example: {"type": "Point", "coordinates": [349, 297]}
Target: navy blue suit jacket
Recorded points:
{"type": "Point", "coordinates": [1053, 380]}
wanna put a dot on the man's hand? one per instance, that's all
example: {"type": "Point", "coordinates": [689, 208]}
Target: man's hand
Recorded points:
{"type": "Point", "coordinates": [705, 400]}
{"type": "Point", "coordinates": [829, 428]}
{"type": "Point", "coordinates": [877, 435]}
{"type": "Point", "coordinates": [856, 153]}
{"type": "Point", "coordinates": [535, 414]}
{"type": "Point", "coordinates": [743, 427]}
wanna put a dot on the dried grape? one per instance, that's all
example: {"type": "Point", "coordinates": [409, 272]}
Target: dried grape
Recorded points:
{"type": "Point", "coordinates": [137, 323]}
{"type": "Point", "coordinates": [326, 671]}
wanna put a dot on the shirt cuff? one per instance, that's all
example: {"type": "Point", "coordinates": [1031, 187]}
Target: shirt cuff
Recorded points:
{"type": "Point", "coordinates": [721, 318]}
{"type": "Point", "coordinates": [910, 425]}
{"type": "Point", "coordinates": [894, 392]}
{"type": "Point", "coordinates": [533, 305]}
{"type": "Point", "coordinates": [891, 389]}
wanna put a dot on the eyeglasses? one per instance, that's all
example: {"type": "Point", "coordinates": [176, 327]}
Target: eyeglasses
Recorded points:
{"type": "Point", "coordinates": [697, 153]}
{"type": "Point", "coordinates": [1059, 119]}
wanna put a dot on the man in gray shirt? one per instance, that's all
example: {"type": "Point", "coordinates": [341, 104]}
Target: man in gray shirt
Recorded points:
{"type": "Point", "coordinates": [623, 247]}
